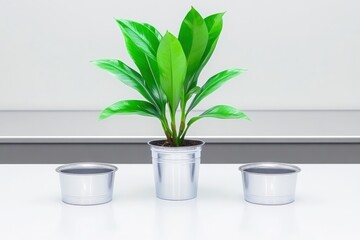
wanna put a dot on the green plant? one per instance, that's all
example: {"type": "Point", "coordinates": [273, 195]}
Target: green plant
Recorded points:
{"type": "Point", "coordinates": [169, 69]}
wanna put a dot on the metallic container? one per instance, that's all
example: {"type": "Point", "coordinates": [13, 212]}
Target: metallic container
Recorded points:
{"type": "Point", "coordinates": [86, 183]}
{"type": "Point", "coordinates": [269, 183]}
{"type": "Point", "coordinates": [176, 170]}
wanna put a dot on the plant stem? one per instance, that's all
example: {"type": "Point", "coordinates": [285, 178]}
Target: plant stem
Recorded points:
{"type": "Point", "coordinates": [181, 131]}
{"type": "Point", "coordinates": [167, 130]}
{"type": "Point", "coordinates": [165, 123]}
{"type": "Point", "coordinates": [173, 128]}
{"type": "Point", "coordinates": [183, 119]}
{"type": "Point", "coordinates": [182, 137]}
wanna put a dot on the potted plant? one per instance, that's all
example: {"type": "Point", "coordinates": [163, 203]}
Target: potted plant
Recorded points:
{"type": "Point", "coordinates": [169, 69]}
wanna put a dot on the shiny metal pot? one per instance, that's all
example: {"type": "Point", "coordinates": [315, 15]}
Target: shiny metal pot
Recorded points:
{"type": "Point", "coordinates": [86, 183]}
{"type": "Point", "coordinates": [269, 183]}
{"type": "Point", "coordinates": [176, 170]}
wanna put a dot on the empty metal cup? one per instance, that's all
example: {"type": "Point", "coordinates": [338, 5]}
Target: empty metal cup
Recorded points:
{"type": "Point", "coordinates": [86, 183]}
{"type": "Point", "coordinates": [269, 183]}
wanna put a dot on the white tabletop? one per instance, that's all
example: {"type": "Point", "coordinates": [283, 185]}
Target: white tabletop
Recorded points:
{"type": "Point", "coordinates": [327, 207]}
{"type": "Point", "coordinates": [265, 126]}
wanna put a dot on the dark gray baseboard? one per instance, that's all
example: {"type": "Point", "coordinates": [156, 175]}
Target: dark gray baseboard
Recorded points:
{"type": "Point", "coordinates": [57, 153]}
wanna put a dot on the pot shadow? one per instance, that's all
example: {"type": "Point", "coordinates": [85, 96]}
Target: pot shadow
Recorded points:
{"type": "Point", "coordinates": [86, 222]}
{"type": "Point", "coordinates": [220, 194]}
{"type": "Point", "coordinates": [274, 221]}
{"type": "Point", "coordinates": [175, 219]}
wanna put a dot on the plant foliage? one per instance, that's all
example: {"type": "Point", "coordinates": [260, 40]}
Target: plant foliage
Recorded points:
{"type": "Point", "coordinates": [168, 71]}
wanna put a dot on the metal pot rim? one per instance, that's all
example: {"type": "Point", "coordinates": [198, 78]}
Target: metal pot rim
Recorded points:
{"type": "Point", "coordinates": [278, 165]}
{"type": "Point", "coordinates": [85, 165]}
{"type": "Point", "coordinates": [182, 148]}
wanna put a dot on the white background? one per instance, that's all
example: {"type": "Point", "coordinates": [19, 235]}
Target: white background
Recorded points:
{"type": "Point", "coordinates": [299, 54]}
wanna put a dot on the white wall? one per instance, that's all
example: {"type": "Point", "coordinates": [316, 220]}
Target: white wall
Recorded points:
{"type": "Point", "coordinates": [299, 54]}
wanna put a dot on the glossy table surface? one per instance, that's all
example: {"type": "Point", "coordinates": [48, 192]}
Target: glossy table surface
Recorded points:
{"type": "Point", "coordinates": [327, 207]}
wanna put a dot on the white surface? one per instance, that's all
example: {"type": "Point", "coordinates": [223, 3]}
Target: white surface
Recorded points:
{"type": "Point", "coordinates": [265, 126]}
{"type": "Point", "coordinates": [326, 207]}
{"type": "Point", "coordinates": [299, 54]}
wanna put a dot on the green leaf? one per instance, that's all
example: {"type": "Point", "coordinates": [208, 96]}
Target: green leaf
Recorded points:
{"type": "Point", "coordinates": [193, 37]}
{"type": "Point", "coordinates": [127, 107]}
{"type": "Point", "coordinates": [214, 25]}
{"type": "Point", "coordinates": [212, 84]}
{"type": "Point", "coordinates": [172, 67]}
{"type": "Point", "coordinates": [192, 91]}
{"type": "Point", "coordinates": [142, 42]}
{"type": "Point", "coordinates": [220, 111]}
{"type": "Point", "coordinates": [125, 74]}
{"type": "Point", "coordinates": [148, 69]}
{"type": "Point", "coordinates": [153, 30]}
{"type": "Point", "coordinates": [141, 35]}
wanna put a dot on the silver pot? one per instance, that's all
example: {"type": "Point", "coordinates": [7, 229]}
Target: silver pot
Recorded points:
{"type": "Point", "coordinates": [176, 170]}
{"type": "Point", "coordinates": [269, 183]}
{"type": "Point", "coordinates": [86, 183]}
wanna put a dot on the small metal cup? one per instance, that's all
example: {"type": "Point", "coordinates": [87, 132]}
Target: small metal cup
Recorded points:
{"type": "Point", "coordinates": [86, 183]}
{"type": "Point", "coordinates": [269, 183]}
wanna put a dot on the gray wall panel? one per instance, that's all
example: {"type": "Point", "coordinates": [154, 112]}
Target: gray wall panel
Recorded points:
{"type": "Point", "coordinates": [212, 153]}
